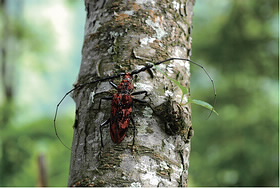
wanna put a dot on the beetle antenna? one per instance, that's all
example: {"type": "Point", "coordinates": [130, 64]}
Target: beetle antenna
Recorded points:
{"type": "Point", "coordinates": [62, 99]}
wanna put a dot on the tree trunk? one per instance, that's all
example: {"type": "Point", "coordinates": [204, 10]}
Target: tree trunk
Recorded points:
{"type": "Point", "coordinates": [121, 36]}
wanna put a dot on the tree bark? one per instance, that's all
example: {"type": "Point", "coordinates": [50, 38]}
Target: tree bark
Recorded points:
{"type": "Point", "coordinates": [121, 36]}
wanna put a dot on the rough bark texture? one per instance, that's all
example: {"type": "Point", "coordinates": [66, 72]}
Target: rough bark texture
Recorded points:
{"type": "Point", "coordinates": [121, 36]}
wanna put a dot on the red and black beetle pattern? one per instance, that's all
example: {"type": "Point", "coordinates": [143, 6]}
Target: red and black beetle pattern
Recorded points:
{"type": "Point", "coordinates": [122, 101]}
{"type": "Point", "coordinates": [121, 109]}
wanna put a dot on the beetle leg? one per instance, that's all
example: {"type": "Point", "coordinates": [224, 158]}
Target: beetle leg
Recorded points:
{"type": "Point", "coordinates": [139, 100]}
{"type": "Point", "coordinates": [104, 98]}
{"type": "Point", "coordinates": [139, 93]}
{"type": "Point", "coordinates": [113, 84]}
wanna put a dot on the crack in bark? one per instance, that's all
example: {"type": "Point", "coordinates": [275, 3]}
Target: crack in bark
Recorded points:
{"type": "Point", "coordinates": [184, 168]}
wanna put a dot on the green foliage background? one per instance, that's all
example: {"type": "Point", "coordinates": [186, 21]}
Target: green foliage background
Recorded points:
{"type": "Point", "coordinates": [236, 40]}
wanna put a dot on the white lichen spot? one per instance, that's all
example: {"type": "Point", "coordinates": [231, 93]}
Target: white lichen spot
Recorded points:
{"type": "Point", "coordinates": [129, 12]}
{"type": "Point", "coordinates": [176, 5]}
{"type": "Point", "coordinates": [181, 62]}
{"type": "Point", "coordinates": [180, 52]}
{"type": "Point", "coordinates": [163, 165]}
{"type": "Point", "coordinates": [141, 2]}
{"type": "Point", "coordinates": [147, 168]}
{"type": "Point", "coordinates": [168, 93]}
{"type": "Point", "coordinates": [154, 180]}
{"type": "Point", "coordinates": [169, 145]}
{"type": "Point", "coordinates": [143, 86]}
{"type": "Point", "coordinates": [91, 97]}
{"type": "Point", "coordinates": [114, 34]}
{"type": "Point", "coordinates": [138, 67]}
{"type": "Point", "coordinates": [110, 50]}
{"type": "Point", "coordinates": [159, 100]}
{"type": "Point", "coordinates": [161, 66]}
{"type": "Point", "coordinates": [160, 33]}
{"type": "Point", "coordinates": [147, 112]}
{"type": "Point", "coordinates": [135, 184]}
{"type": "Point", "coordinates": [170, 68]}
{"type": "Point", "coordinates": [147, 40]}
{"type": "Point", "coordinates": [187, 66]}
{"type": "Point", "coordinates": [178, 96]}
{"type": "Point", "coordinates": [141, 130]}
{"type": "Point", "coordinates": [185, 99]}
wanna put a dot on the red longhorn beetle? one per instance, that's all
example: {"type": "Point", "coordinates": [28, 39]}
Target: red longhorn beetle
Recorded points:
{"type": "Point", "coordinates": [122, 101]}
{"type": "Point", "coordinates": [122, 107]}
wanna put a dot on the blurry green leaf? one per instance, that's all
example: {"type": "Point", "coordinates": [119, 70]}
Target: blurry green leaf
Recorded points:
{"type": "Point", "coordinates": [203, 104]}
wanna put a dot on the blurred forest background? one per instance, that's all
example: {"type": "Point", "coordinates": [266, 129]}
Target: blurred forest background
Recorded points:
{"type": "Point", "coordinates": [236, 40]}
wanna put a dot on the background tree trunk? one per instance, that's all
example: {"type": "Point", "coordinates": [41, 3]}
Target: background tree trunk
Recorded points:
{"type": "Point", "coordinates": [121, 36]}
